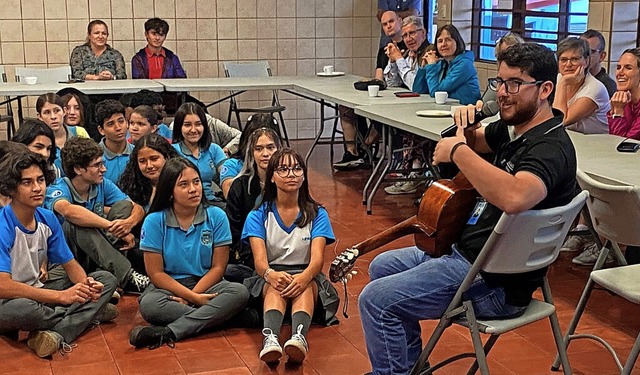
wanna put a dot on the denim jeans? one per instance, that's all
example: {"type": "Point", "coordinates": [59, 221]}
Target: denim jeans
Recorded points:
{"type": "Point", "coordinates": [407, 286]}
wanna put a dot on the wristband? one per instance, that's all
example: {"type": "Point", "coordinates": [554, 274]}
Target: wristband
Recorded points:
{"type": "Point", "coordinates": [455, 148]}
{"type": "Point", "coordinates": [266, 273]}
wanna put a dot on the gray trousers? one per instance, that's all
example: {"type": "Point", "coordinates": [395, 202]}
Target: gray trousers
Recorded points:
{"type": "Point", "coordinates": [185, 321]}
{"type": "Point", "coordinates": [94, 249]}
{"type": "Point", "coordinates": [69, 321]}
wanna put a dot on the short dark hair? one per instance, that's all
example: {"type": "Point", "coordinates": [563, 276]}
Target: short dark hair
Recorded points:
{"type": "Point", "coordinates": [574, 43]}
{"type": "Point", "coordinates": [12, 165]}
{"type": "Point", "coordinates": [191, 109]}
{"type": "Point", "coordinates": [48, 98]}
{"type": "Point", "coordinates": [534, 59]}
{"type": "Point", "coordinates": [455, 35]}
{"type": "Point", "coordinates": [10, 147]}
{"type": "Point", "coordinates": [167, 182]}
{"type": "Point", "coordinates": [78, 152]}
{"type": "Point", "coordinates": [30, 129]}
{"type": "Point", "coordinates": [591, 33]}
{"type": "Point", "coordinates": [107, 108]}
{"type": "Point", "coordinates": [159, 25]}
{"type": "Point", "coordinates": [146, 97]}
{"type": "Point", "coordinates": [148, 113]}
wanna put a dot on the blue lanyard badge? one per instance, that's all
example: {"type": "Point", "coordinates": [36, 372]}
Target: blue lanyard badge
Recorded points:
{"type": "Point", "coordinates": [481, 205]}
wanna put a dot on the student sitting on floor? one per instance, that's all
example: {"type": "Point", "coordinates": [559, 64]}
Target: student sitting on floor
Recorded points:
{"type": "Point", "coordinates": [97, 218]}
{"type": "Point", "coordinates": [38, 138]}
{"type": "Point", "coordinates": [113, 126]}
{"type": "Point", "coordinates": [142, 121]}
{"type": "Point", "coordinates": [54, 311]}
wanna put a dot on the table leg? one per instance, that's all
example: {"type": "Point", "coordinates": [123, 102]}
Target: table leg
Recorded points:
{"type": "Point", "coordinates": [20, 115]}
{"type": "Point", "coordinates": [319, 134]}
{"type": "Point", "coordinates": [383, 173]}
{"type": "Point", "coordinates": [386, 133]}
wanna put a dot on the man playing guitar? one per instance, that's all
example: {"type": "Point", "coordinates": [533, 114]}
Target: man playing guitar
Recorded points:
{"type": "Point", "coordinates": [534, 167]}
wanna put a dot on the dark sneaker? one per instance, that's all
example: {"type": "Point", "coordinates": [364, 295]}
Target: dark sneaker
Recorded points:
{"type": "Point", "coordinates": [247, 318]}
{"type": "Point", "coordinates": [151, 337]}
{"type": "Point", "coordinates": [115, 298]}
{"type": "Point", "coordinates": [44, 343]}
{"type": "Point", "coordinates": [349, 161]}
{"type": "Point", "coordinates": [108, 313]}
{"type": "Point", "coordinates": [137, 283]}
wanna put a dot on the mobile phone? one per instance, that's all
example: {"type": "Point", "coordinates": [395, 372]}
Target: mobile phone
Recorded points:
{"type": "Point", "coordinates": [628, 147]}
{"type": "Point", "coordinates": [406, 94]}
{"type": "Point", "coordinates": [72, 81]}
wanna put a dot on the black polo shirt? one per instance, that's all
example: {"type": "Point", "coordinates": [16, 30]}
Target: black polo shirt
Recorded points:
{"type": "Point", "coordinates": [547, 152]}
{"type": "Point", "coordinates": [383, 59]}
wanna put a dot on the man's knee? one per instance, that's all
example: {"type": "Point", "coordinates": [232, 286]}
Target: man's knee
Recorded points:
{"type": "Point", "coordinates": [120, 210]}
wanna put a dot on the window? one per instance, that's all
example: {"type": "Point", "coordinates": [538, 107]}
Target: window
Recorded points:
{"type": "Point", "coordinates": [541, 21]}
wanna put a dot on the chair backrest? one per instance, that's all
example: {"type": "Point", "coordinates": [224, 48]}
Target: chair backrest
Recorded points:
{"type": "Point", "coordinates": [614, 208]}
{"type": "Point", "coordinates": [45, 75]}
{"type": "Point", "coordinates": [3, 74]}
{"type": "Point", "coordinates": [247, 69]}
{"type": "Point", "coordinates": [529, 240]}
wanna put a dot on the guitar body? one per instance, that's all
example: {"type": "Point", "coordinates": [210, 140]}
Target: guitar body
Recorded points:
{"type": "Point", "coordinates": [444, 209]}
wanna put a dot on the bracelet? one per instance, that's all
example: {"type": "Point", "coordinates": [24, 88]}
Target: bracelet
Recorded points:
{"type": "Point", "coordinates": [455, 148]}
{"type": "Point", "coordinates": [266, 273]}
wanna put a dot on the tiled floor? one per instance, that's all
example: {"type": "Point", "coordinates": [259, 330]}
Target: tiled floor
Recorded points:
{"type": "Point", "coordinates": [340, 349]}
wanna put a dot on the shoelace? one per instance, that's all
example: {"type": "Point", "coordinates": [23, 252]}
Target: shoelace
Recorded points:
{"type": "Point", "coordinates": [300, 337]}
{"type": "Point", "coordinates": [270, 338]}
{"type": "Point", "coordinates": [139, 280]}
{"type": "Point", "coordinates": [169, 343]}
{"type": "Point", "coordinates": [66, 348]}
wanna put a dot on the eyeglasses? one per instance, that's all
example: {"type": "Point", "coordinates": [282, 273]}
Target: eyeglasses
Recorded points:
{"type": "Point", "coordinates": [410, 34]}
{"type": "Point", "coordinates": [574, 60]}
{"type": "Point", "coordinates": [512, 85]}
{"type": "Point", "coordinates": [97, 165]}
{"type": "Point", "coordinates": [594, 51]}
{"type": "Point", "coordinates": [283, 171]}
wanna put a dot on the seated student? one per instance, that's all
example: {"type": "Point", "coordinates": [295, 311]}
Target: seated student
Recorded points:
{"type": "Point", "coordinates": [151, 99]}
{"type": "Point", "coordinates": [624, 117]}
{"type": "Point", "coordinates": [79, 111]}
{"type": "Point", "coordinates": [233, 165]}
{"type": "Point", "coordinates": [245, 195]}
{"type": "Point", "coordinates": [192, 140]}
{"type": "Point", "coordinates": [113, 126]}
{"type": "Point", "coordinates": [8, 147]}
{"type": "Point", "coordinates": [97, 218]}
{"type": "Point", "coordinates": [186, 248]}
{"type": "Point", "coordinates": [50, 108]}
{"type": "Point", "coordinates": [223, 135]}
{"type": "Point", "coordinates": [54, 311]}
{"type": "Point", "coordinates": [142, 121]}
{"type": "Point", "coordinates": [95, 59]}
{"type": "Point", "coordinates": [140, 177]}
{"type": "Point", "coordinates": [449, 68]}
{"type": "Point", "coordinates": [579, 95]}
{"type": "Point", "coordinates": [287, 235]}
{"type": "Point", "coordinates": [155, 61]}
{"type": "Point", "coordinates": [38, 138]}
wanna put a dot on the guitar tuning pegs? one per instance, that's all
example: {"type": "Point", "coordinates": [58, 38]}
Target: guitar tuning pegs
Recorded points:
{"type": "Point", "coordinates": [349, 277]}
{"type": "Point", "coordinates": [354, 273]}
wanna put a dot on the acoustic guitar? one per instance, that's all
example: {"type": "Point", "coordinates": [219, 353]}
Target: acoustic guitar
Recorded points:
{"type": "Point", "coordinates": [443, 211]}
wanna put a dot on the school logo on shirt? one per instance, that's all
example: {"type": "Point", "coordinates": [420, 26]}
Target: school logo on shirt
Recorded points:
{"type": "Point", "coordinates": [212, 165]}
{"type": "Point", "coordinates": [142, 234]}
{"type": "Point", "coordinates": [308, 238]}
{"type": "Point", "coordinates": [206, 237]}
{"type": "Point", "coordinates": [56, 193]}
{"type": "Point", "coordinates": [224, 169]}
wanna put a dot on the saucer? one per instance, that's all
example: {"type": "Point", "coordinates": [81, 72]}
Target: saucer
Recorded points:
{"type": "Point", "coordinates": [334, 74]}
{"type": "Point", "coordinates": [433, 113]}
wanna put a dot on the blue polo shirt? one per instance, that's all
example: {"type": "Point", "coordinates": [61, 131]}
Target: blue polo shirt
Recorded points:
{"type": "Point", "coordinates": [186, 253]}
{"type": "Point", "coordinates": [115, 163]}
{"type": "Point", "coordinates": [230, 169]}
{"type": "Point", "coordinates": [165, 132]}
{"type": "Point", "coordinates": [104, 194]}
{"type": "Point", "coordinates": [22, 251]}
{"type": "Point", "coordinates": [286, 245]}
{"type": "Point", "coordinates": [207, 162]}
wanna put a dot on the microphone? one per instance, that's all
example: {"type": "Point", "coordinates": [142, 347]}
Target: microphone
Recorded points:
{"type": "Point", "coordinates": [489, 109]}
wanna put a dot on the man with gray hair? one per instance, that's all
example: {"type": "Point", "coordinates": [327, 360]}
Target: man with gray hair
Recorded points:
{"type": "Point", "coordinates": [401, 69]}
{"type": "Point", "coordinates": [596, 42]}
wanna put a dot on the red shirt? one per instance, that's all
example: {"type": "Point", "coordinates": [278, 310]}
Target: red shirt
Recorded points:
{"type": "Point", "coordinates": [155, 62]}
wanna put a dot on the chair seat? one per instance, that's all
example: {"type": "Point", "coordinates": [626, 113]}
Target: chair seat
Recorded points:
{"type": "Point", "coordinates": [620, 280]}
{"type": "Point", "coordinates": [535, 311]}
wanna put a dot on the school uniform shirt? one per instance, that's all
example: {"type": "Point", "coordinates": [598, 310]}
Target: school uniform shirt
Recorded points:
{"type": "Point", "coordinates": [101, 195]}
{"type": "Point", "coordinates": [207, 162]}
{"type": "Point", "coordinates": [286, 245]}
{"type": "Point", "coordinates": [114, 162]}
{"type": "Point", "coordinates": [230, 169]}
{"type": "Point", "coordinates": [22, 251]}
{"type": "Point", "coordinates": [185, 253]}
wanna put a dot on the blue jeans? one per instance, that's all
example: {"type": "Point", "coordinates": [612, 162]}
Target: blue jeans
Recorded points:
{"type": "Point", "coordinates": [407, 286]}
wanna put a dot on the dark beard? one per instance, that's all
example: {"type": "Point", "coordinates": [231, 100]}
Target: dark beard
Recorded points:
{"type": "Point", "coordinates": [522, 115]}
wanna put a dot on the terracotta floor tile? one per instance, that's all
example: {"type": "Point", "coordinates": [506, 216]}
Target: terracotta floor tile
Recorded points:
{"type": "Point", "coordinates": [93, 368]}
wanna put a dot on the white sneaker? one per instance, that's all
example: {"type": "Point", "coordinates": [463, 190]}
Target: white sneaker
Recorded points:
{"type": "Point", "coordinates": [576, 243]}
{"type": "Point", "coordinates": [296, 347]}
{"type": "Point", "coordinates": [404, 187]}
{"type": "Point", "coordinates": [589, 256]}
{"type": "Point", "coordinates": [271, 349]}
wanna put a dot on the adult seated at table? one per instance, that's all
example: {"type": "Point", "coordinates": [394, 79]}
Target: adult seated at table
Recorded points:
{"type": "Point", "coordinates": [624, 117]}
{"type": "Point", "coordinates": [598, 54]}
{"type": "Point", "coordinates": [404, 9]}
{"type": "Point", "coordinates": [449, 68]}
{"type": "Point", "coordinates": [113, 126]}
{"type": "Point", "coordinates": [95, 59]}
{"type": "Point", "coordinates": [579, 95]}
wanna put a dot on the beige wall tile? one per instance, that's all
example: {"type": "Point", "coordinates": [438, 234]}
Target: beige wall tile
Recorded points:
{"type": "Point", "coordinates": [226, 9]}
{"type": "Point", "coordinates": [247, 28]}
{"type": "Point", "coordinates": [78, 9]}
{"type": "Point", "coordinates": [266, 8]}
{"type": "Point", "coordinates": [33, 30]}
{"type": "Point", "coordinates": [267, 27]}
{"type": "Point", "coordinates": [187, 50]}
{"type": "Point", "coordinates": [362, 27]}
{"type": "Point", "coordinates": [191, 68]}
{"type": "Point", "coordinates": [324, 8]}
{"type": "Point", "coordinates": [122, 29]}
{"type": "Point", "coordinates": [286, 8]}
{"type": "Point", "coordinates": [228, 50]}
{"type": "Point", "coordinates": [186, 9]}
{"type": "Point", "coordinates": [362, 47]}
{"type": "Point", "coordinates": [304, 9]}
{"type": "Point", "coordinates": [206, 28]}
{"type": "Point", "coordinates": [99, 9]}
{"type": "Point", "coordinates": [343, 8]}
{"type": "Point", "coordinates": [246, 8]}
{"type": "Point", "coordinates": [596, 15]}
{"type": "Point", "coordinates": [247, 49]}
{"type": "Point", "coordinates": [363, 67]}
{"type": "Point", "coordinates": [32, 9]}
{"type": "Point", "coordinates": [267, 49]}
{"type": "Point", "coordinates": [55, 9]}
{"type": "Point", "coordinates": [207, 69]}
{"type": "Point", "coordinates": [343, 47]}
{"type": "Point", "coordinates": [207, 50]}
{"type": "Point", "coordinates": [143, 9]}
{"type": "Point", "coordinates": [206, 8]}
{"type": "Point", "coordinates": [11, 31]}
{"type": "Point", "coordinates": [126, 48]}
{"type": "Point", "coordinates": [343, 27]}
{"type": "Point", "coordinates": [324, 28]}
{"type": "Point", "coordinates": [227, 28]}
{"type": "Point", "coordinates": [286, 28]}
{"type": "Point", "coordinates": [364, 8]}
{"type": "Point", "coordinates": [165, 8]}
{"type": "Point", "coordinates": [35, 52]}
{"type": "Point", "coordinates": [305, 27]}
{"type": "Point", "coordinates": [344, 65]}
{"type": "Point", "coordinates": [287, 49]}
{"type": "Point", "coordinates": [58, 52]}
{"type": "Point", "coordinates": [306, 129]}
{"type": "Point", "coordinates": [77, 29]}
{"type": "Point", "coordinates": [10, 9]}
{"type": "Point", "coordinates": [306, 48]}
{"type": "Point", "coordinates": [185, 29]}
{"type": "Point", "coordinates": [56, 30]}
{"type": "Point", "coordinates": [122, 9]}
{"type": "Point", "coordinates": [324, 48]}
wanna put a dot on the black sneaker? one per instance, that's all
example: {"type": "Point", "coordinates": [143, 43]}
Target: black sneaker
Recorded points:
{"type": "Point", "coordinates": [247, 318]}
{"type": "Point", "coordinates": [151, 337]}
{"type": "Point", "coordinates": [137, 283]}
{"type": "Point", "coordinates": [349, 161]}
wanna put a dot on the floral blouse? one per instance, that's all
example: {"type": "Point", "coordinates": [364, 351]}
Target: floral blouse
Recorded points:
{"type": "Point", "coordinates": [84, 62]}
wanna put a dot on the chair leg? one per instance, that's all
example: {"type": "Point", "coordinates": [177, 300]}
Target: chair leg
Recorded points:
{"type": "Point", "coordinates": [633, 356]}
{"type": "Point", "coordinates": [431, 344]}
{"type": "Point", "coordinates": [284, 129]}
{"type": "Point", "coordinates": [487, 348]}
{"type": "Point", "coordinates": [481, 358]}
{"type": "Point", "coordinates": [555, 329]}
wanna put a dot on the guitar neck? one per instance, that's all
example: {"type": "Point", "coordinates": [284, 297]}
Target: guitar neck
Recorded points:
{"type": "Point", "coordinates": [404, 228]}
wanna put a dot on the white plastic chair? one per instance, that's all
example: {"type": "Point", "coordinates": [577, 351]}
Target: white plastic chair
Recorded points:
{"type": "Point", "coordinates": [45, 75]}
{"type": "Point", "coordinates": [524, 242]}
{"type": "Point", "coordinates": [615, 213]}
{"type": "Point", "coordinates": [8, 117]}
{"type": "Point", "coordinates": [252, 69]}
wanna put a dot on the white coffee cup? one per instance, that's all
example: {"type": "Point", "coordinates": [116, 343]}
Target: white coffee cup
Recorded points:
{"type": "Point", "coordinates": [328, 69]}
{"type": "Point", "coordinates": [30, 80]}
{"type": "Point", "coordinates": [373, 90]}
{"type": "Point", "coordinates": [441, 97]}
